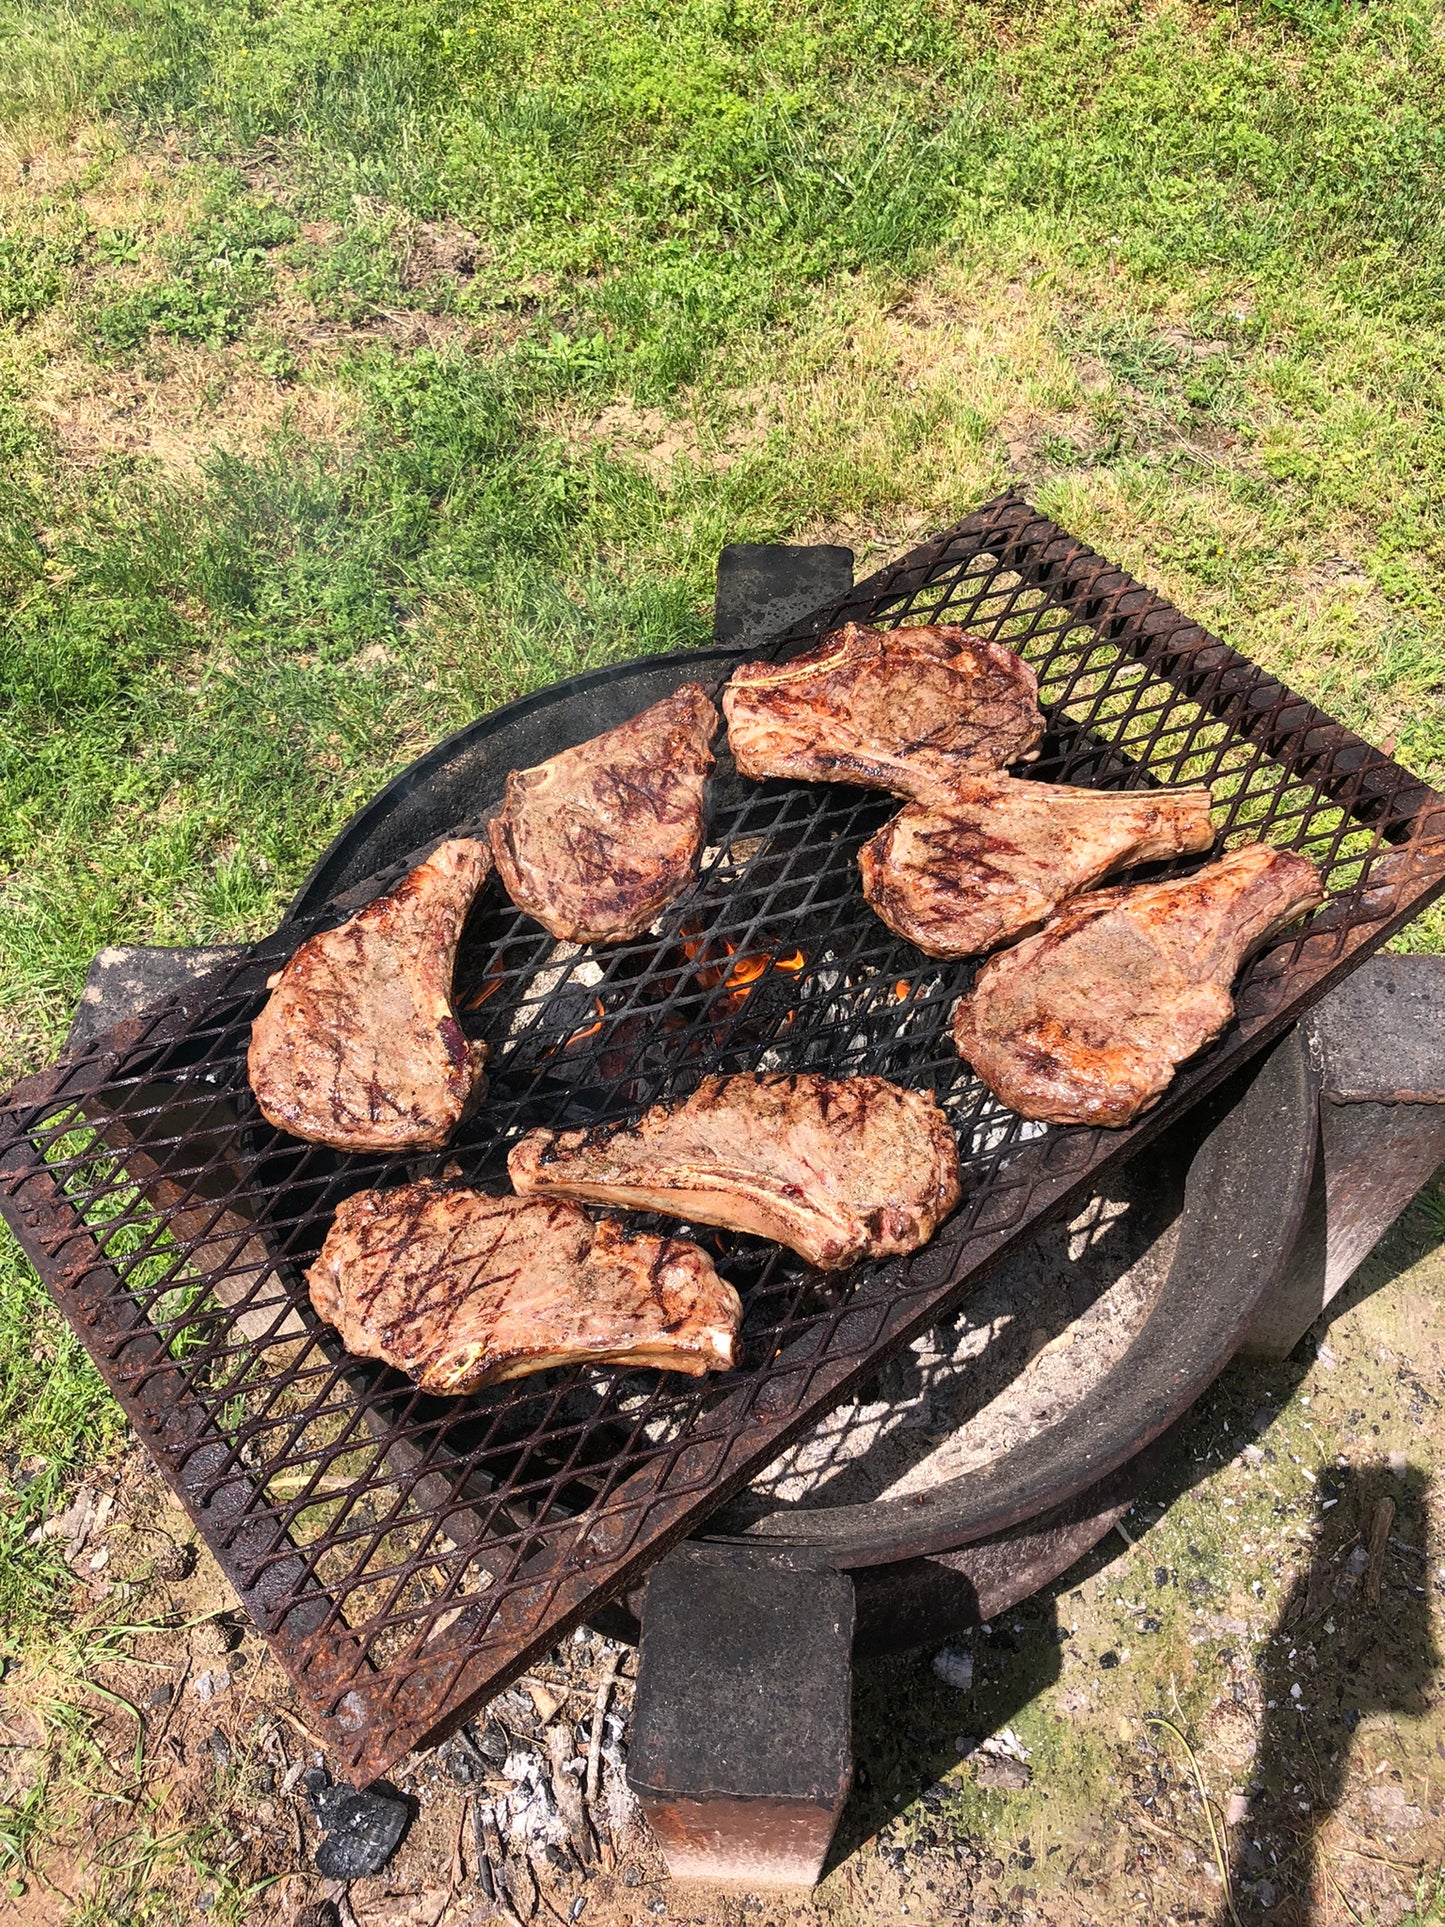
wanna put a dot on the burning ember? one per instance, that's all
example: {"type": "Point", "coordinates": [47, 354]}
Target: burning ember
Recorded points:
{"type": "Point", "coordinates": [719, 963]}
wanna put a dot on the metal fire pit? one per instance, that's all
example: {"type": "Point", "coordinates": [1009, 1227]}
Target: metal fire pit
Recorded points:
{"type": "Point", "coordinates": [407, 1556]}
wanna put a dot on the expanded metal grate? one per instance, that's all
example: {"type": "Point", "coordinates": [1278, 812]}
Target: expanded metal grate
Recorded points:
{"type": "Point", "coordinates": [407, 1556]}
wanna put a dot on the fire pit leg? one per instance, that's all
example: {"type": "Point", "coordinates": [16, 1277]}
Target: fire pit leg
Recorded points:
{"type": "Point", "coordinates": [1378, 1048]}
{"type": "Point", "coordinates": [741, 1752]}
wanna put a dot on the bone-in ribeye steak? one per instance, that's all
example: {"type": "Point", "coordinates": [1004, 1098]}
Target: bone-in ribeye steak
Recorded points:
{"type": "Point", "coordinates": [458, 1289]}
{"type": "Point", "coordinates": [358, 1045]}
{"type": "Point", "coordinates": [1086, 1022]}
{"type": "Point", "coordinates": [838, 1169]}
{"type": "Point", "coordinates": [959, 877]}
{"type": "Point", "coordinates": [907, 710]}
{"type": "Point", "coordinates": [596, 841]}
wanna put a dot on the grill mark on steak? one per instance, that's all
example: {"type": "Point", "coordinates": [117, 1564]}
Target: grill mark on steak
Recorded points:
{"type": "Point", "coordinates": [838, 1169]}
{"type": "Point", "coordinates": [961, 876]}
{"type": "Point", "coordinates": [358, 1045]}
{"type": "Point", "coordinates": [909, 710]}
{"type": "Point", "coordinates": [459, 1289]}
{"type": "Point", "coordinates": [596, 841]}
{"type": "Point", "coordinates": [1086, 1022]}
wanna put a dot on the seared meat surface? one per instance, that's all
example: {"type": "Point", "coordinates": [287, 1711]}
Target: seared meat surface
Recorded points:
{"type": "Point", "coordinates": [358, 1045]}
{"type": "Point", "coordinates": [994, 861]}
{"type": "Point", "coordinates": [907, 710]}
{"type": "Point", "coordinates": [1086, 1022]}
{"type": "Point", "coordinates": [595, 842]}
{"type": "Point", "coordinates": [458, 1289]}
{"type": "Point", "coordinates": [838, 1169]}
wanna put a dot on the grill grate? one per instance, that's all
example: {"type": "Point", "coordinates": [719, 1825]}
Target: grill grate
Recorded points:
{"type": "Point", "coordinates": [406, 1556]}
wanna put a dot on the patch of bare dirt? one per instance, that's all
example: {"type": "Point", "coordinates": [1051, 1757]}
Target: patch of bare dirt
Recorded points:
{"type": "Point", "coordinates": [205, 402]}
{"type": "Point", "coordinates": [145, 191]}
{"type": "Point", "coordinates": [441, 250]}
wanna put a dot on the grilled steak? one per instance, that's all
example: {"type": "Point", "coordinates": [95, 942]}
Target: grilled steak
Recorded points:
{"type": "Point", "coordinates": [359, 1046]}
{"type": "Point", "coordinates": [836, 1168]}
{"type": "Point", "coordinates": [956, 878]}
{"type": "Point", "coordinates": [594, 842]}
{"type": "Point", "coordinates": [458, 1289]}
{"type": "Point", "coordinates": [1085, 1022]}
{"type": "Point", "coordinates": [907, 710]}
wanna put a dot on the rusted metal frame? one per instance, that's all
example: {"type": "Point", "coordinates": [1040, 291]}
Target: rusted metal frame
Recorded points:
{"type": "Point", "coordinates": [1021, 1200]}
{"type": "Point", "coordinates": [172, 1421]}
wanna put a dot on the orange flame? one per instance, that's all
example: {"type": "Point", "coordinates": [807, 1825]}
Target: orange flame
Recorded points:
{"type": "Point", "coordinates": [591, 1030]}
{"type": "Point", "coordinates": [718, 963]}
{"type": "Point", "coordinates": [746, 970]}
{"type": "Point", "coordinates": [495, 973]}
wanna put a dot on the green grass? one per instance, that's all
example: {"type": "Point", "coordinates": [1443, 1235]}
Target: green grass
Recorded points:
{"type": "Point", "coordinates": [286, 493]}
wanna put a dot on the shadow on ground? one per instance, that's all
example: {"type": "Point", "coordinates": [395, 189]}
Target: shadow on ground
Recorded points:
{"type": "Point", "coordinates": [1353, 1636]}
{"type": "Point", "coordinates": [1331, 1660]}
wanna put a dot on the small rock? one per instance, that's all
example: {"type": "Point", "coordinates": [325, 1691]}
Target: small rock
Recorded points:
{"type": "Point", "coordinates": [965, 1744]}
{"type": "Point", "coordinates": [221, 1747]}
{"type": "Point", "coordinates": [954, 1667]}
{"type": "Point", "coordinates": [632, 1875]}
{"type": "Point", "coordinates": [1005, 1745]}
{"type": "Point", "coordinates": [161, 1695]}
{"type": "Point", "coordinates": [322, 1914]}
{"type": "Point", "coordinates": [175, 1563]}
{"type": "Point", "coordinates": [209, 1640]}
{"type": "Point", "coordinates": [1108, 1661]}
{"type": "Point", "coordinates": [205, 1686]}
{"type": "Point", "coordinates": [1397, 1463]}
{"type": "Point", "coordinates": [1358, 1562]}
{"type": "Point", "coordinates": [1237, 1810]}
{"type": "Point", "coordinates": [1266, 1893]}
{"type": "Point", "coordinates": [1148, 1624]}
{"type": "Point", "coordinates": [1002, 1775]}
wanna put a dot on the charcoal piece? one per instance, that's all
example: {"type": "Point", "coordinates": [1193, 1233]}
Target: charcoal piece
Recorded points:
{"type": "Point", "coordinates": [363, 1828]}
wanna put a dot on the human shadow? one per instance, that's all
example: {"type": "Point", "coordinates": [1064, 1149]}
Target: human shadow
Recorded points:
{"type": "Point", "coordinates": [1353, 1637]}
{"type": "Point", "coordinates": [907, 1722]}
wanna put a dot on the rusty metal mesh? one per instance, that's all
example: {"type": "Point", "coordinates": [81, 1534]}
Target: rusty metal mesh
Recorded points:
{"type": "Point", "coordinates": [407, 1555]}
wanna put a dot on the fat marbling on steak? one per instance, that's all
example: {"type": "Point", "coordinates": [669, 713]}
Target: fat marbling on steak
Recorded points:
{"type": "Point", "coordinates": [1086, 1022]}
{"type": "Point", "coordinates": [596, 841]}
{"type": "Point", "coordinates": [958, 877]}
{"type": "Point", "coordinates": [836, 1168]}
{"type": "Point", "coordinates": [907, 710]}
{"type": "Point", "coordinates": [458, 1289]}
{"type": "Point", "coordinates": [359, 1046]}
